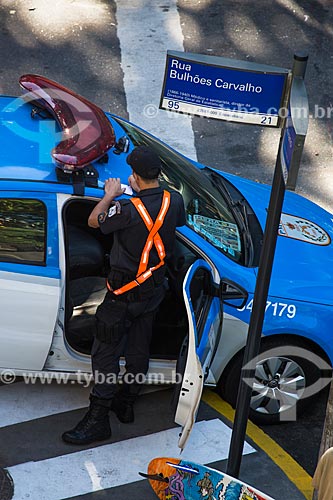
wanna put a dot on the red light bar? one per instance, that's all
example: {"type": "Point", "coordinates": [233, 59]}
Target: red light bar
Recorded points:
{"type": "Point", "coordinates": [87, 134]}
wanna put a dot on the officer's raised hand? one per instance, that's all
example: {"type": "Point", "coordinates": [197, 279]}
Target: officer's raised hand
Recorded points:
{"type": "Point", "coordinates": [112, 189]}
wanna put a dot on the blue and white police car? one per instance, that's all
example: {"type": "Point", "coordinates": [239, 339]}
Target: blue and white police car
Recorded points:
{"type": "Point", "coordinates": [57, 149]}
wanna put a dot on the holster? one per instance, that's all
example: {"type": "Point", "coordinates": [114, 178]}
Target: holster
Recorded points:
{"type": "Point", "coordinates": [111, 322]}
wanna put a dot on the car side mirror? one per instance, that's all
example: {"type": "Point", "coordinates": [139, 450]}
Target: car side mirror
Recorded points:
{"type": "Point", "coordinates": [122, 145]}
{"type": "Point", "coordinates": [232, 294]}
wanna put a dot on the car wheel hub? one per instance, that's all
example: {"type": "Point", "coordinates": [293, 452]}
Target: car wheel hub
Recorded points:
{"type": "Point", "coordinates": [279, 384]}
{"type": "Point", "coordinates": [273, 384]}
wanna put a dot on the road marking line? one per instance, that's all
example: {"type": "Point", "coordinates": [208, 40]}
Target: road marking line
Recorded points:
{"type": "Point", "coordinates": [116, 464]}
{"type": "Point", "coordinates": [146, 30]}
{"type": "Point", "coordinates": [95, 479]}
{"type": "Point", "coordinates": [293, 470]}
{"type": "Point", "coordinates": [22, 402]}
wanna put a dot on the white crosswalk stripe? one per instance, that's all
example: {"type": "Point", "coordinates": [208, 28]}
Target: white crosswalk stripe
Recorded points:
{"type": "Point", "coordinates": [146, 30]}
{"type": "Point", "coordinates": [21, 402]}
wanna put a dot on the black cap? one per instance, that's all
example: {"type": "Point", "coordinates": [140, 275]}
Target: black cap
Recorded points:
{"type": "Point", "coordinates": [145, 162]}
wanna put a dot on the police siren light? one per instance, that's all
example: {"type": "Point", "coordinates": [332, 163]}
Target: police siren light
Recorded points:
{"type": "Point", "coordinates": [86, 133]}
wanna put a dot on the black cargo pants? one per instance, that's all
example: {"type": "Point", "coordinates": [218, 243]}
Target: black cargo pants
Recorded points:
{"type": "Point", "coordinates": [130, 339]}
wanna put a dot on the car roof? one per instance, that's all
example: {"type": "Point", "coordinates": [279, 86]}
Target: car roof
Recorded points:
{"type": "Point", "coordinates": [26, 145]}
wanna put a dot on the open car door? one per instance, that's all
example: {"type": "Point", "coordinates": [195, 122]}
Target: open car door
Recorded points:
{"type": "Point", "coordinates": [204, 311]}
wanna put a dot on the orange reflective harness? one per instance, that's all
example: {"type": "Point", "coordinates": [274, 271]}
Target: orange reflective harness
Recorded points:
{"type": "Point", "coordinates": [153, 239]}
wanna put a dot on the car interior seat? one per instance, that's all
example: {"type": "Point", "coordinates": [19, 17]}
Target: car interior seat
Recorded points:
{"type": "Point", "coordinates": [85, 253]}
{"type": "Point", "coordinates": [86, 286]}
{"type": "Point", "coordinates": [86, 294]}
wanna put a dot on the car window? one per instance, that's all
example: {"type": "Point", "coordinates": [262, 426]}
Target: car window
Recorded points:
{"type": "Point", "coordinates": [207, 212]}
{"type": "Point", "coordinates": [22, 231]}
{"type": "Point", "coordinates": [201, 297]}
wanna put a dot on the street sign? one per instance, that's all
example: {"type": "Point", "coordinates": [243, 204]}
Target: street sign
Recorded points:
{"type": "Point", "coordinates": [223, 89]}
{"type": "Point", "coordinates": [295, 132]}
{"type": "Point", "coordinates": [288, 146]}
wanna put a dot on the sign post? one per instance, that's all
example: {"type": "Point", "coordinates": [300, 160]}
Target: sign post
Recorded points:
{"type": "Point", "coordinates": [259, 300]}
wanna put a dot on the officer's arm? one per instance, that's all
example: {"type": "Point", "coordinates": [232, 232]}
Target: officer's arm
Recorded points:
{"type": "Point", "coordinates": [112, 189]}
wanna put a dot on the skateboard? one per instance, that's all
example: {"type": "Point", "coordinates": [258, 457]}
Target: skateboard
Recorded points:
{"type": "Point", "coordinates": [175, 479]}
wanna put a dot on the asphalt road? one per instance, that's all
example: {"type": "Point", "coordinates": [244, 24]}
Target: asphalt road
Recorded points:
{"type": "Point", "coordinates": [76, 43]}
{"type": "Point", "coordinates": [45, 468]}
{"type": "Point", "coordinates": [302, 439]}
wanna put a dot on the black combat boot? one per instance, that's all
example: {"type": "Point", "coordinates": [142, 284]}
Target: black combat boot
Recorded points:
{"type": "Point", "coordinates": [95, 425]}
{"type": "Point", "coordinates": [123, 409]}
{"type": "Point", "coordinates": [122, 404]}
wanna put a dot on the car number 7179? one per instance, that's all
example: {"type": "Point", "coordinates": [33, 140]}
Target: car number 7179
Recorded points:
{"type": "Point", "coordinates": [276, 308]}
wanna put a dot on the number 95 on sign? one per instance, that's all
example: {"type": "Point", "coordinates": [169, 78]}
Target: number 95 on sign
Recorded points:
{"type": "Point", "coordinates": [173, 104]}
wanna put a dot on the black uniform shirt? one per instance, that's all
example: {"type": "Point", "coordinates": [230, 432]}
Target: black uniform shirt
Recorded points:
{"type": "Point", "coordinates": [130, 232]}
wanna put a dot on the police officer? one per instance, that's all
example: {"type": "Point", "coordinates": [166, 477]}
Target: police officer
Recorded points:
{"type": "Point", "coordinates": [143, 228]}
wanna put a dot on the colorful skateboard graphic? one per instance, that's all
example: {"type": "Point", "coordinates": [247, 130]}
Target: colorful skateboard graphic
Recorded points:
{"type": "Point", "coordinates": [175, 479]}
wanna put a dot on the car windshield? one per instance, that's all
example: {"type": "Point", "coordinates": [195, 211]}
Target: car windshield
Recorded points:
{"type": "Point", "coordinates": [207, 211]}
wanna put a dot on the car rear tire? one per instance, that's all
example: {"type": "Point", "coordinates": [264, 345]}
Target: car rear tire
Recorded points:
{"type": "Point", "coordinates": [280, 381]}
